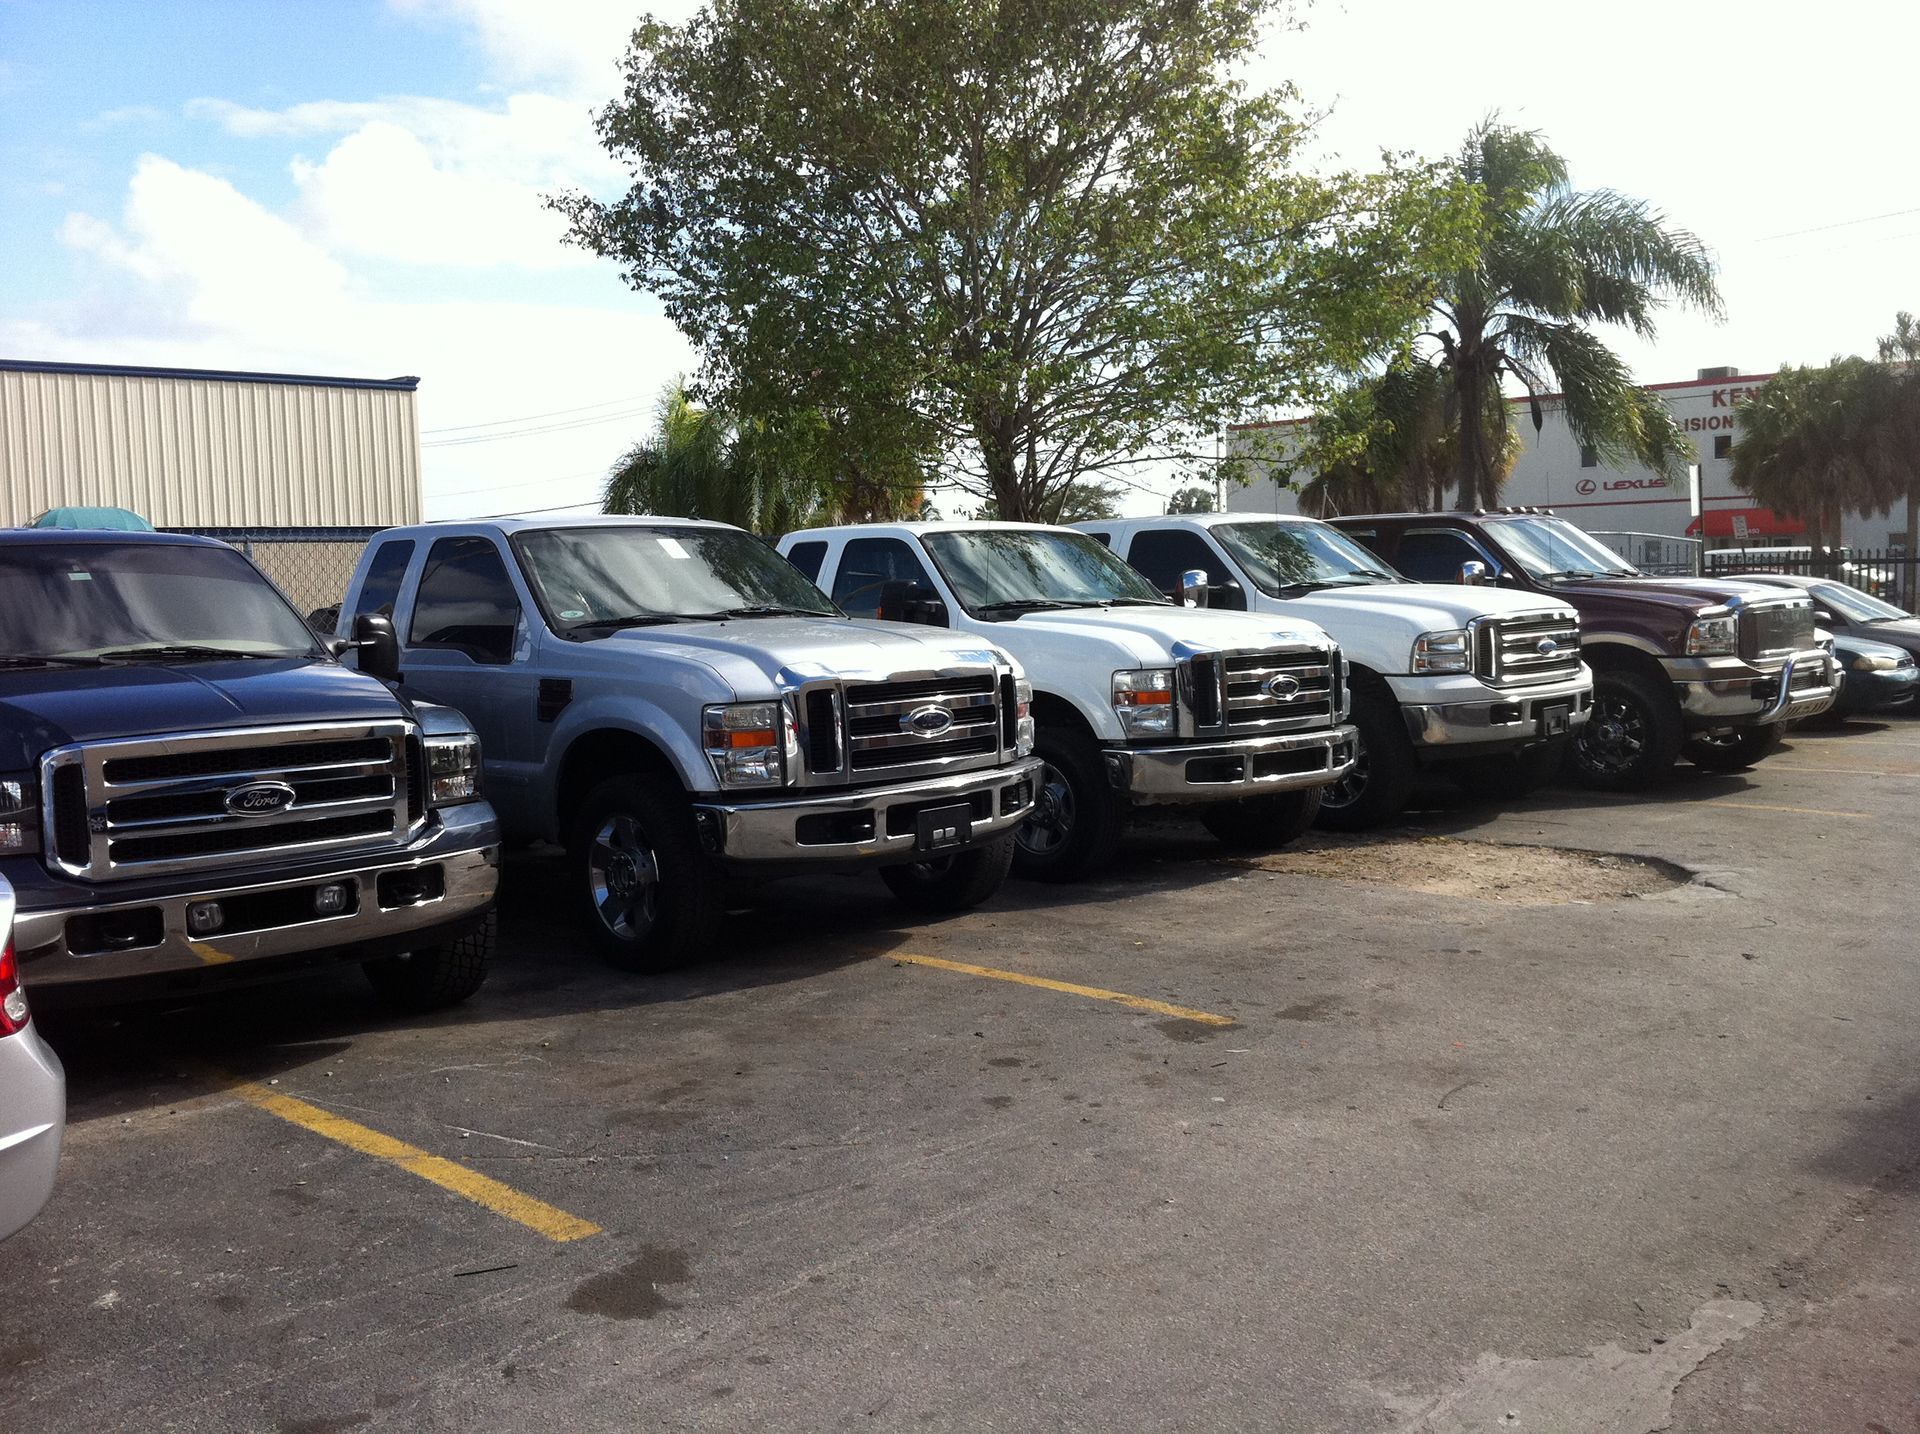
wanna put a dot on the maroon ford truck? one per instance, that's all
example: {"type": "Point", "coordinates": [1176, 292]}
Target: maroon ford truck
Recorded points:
{"type": "Point", "coordinates": [1707, 668]}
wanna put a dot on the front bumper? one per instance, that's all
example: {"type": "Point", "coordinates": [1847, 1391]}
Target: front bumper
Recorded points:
{"type": "Point", "coordinates": [1228, 771]}
{"type": "Point", "coordinates": [1724, 692]}
{"type": "Point", "coordinates": [1445, 714]}
{"type": "Point", "coordinates": [876, 824]}
{"type": "Point", "coordinates": [33, 1114]}
{"type": "Point", "coordinates": [1875, 691]}
{"type": "Point", "coordinates": [444, 880]}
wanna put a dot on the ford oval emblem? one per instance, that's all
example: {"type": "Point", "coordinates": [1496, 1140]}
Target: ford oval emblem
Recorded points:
{"type": "Point", "coordinates": [1283, 687]}
{"type": "Point", "coordinates": [1546, 647]}
{"type": "Point", "coordinates": [927, 721]}
{"type": "Point", "coordinates": [259, 799]}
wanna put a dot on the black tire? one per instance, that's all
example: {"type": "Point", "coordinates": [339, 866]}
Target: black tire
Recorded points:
{"type": "Point", "coordinates": [1511, 775]}
{"type": "Point", "coordinates": [1378, 787]}
{"type": "Point", "coordinates": [1262, 823]}
{"type": "Point", "coordinates": [958, 882]}
{"type": "Point", "coordinates": [434, 976]}
{"type": "Point", "coordinates": [649, 898]}
{"type": "Point", "coordinates": [1077, 819]}
{"type": "Point", "coordinates": [1633, 737]}
{"type": "Point", "coordinates": [1733, 751]}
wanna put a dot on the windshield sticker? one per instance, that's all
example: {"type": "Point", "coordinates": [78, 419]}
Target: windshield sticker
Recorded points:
{"type": "Point", "coordinates": [674, 550]}
{"type": "Point", "coordinates": [572, 613]}
{"type": "Point", "coordinates": [79, 577]}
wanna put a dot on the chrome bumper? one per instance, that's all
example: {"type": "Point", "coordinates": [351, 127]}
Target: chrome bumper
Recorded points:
{"type": "Point", "coordinates": [1226, 771]}
{"type": "Point", "coordinates": [1728, 692]}
{"type": "Point", "coordinates": [866, 824]}
{"type": "Point", "coordinates": [30, 1126]}
{"type": "Point", "coordinates": [1507, 718]}
{"type": "Point", "coordinates": [467, 880]}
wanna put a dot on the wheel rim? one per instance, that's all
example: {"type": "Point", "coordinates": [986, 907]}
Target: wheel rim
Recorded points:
{"type": "Point", "coordinates": [1350, 788]}
{"type": "Point", "coordinates": [1615, 737]}
{"type": "Point", "coordinates": [926, 873]}
{"type": "Point", "coordinates": [623, 876]}
{"type": "Point", "coordinates": [1049, 826]}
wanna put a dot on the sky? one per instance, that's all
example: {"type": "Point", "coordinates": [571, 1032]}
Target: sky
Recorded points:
{"type": "Point", "coordinates": [354, 187]}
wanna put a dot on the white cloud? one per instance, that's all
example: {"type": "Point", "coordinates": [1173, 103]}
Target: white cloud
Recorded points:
{"type": "Point", "coordinates": [573, 44]}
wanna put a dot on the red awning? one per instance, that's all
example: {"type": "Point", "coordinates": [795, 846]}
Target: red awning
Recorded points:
{"type": "Point", "coordinates": [1761, 523]}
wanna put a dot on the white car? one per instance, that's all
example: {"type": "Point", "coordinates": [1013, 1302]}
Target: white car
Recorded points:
{"type": "Point", "coordinates": [33, 1094]}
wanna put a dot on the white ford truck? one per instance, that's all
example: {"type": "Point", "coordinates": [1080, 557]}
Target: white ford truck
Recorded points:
{"type": "Point", "coordinates": [675, 704]}
{"type": "Point", "coordinates": [1136, 700]}
{"type": "Point", "coordinates": [1482, 684]}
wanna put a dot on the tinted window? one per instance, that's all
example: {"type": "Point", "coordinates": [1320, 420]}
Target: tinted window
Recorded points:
{"type": "Point", "coordinates": [867, 565]}
{"type": "Point", "coordinates": [807, 557]}
{"type": "Point", "coordinates": [466, 601]}
{"type": "Point", "coordinates": [1007, 571]}
{"type": "Point", "coordinates": [1435, 557]}
{"type": "Point", "coordinates": [1163, 554]}
{"type": "Point", "coordinates": [384, 572]}
{"type": "Point", "coordinates": [1105, 540]}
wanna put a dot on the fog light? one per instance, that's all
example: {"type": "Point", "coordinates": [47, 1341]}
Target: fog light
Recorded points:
{"type": "Point", "coordinates": [331, 899]}
{"type": "Point", "coordinates": [205, 917]}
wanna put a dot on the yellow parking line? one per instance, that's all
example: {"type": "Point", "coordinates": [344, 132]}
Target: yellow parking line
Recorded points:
{"type": "Point", "coordinates": [1804, 811]}
{"type": "Point", "coordinates": [1778, 765]}
{"type": "Point", "coordinates": [536, 1215]}
{"type": "Point", "coordinates": [1047, 983]}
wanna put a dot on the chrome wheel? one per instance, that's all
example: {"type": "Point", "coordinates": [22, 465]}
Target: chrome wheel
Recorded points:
{"type": "Point", "coordinates": [1350, 788]}
{"type": "Point", "coordinates": [1615, 738]}
{"type": "Point", "coordinates": [624, 877]}
{"type": "Point", "coordinates": [1051, 823]}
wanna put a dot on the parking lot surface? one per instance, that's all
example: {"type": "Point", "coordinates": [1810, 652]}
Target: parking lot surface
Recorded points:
{"type": "Point", "coordinates": [1389, 1134]}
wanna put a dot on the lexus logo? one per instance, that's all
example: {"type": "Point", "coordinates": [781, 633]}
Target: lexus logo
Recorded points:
{"type": "Point", "coordinates": [927, 721]}
{"type": "Point", "coordinates": [1546, 647]}
{"type": "Point", "coordinates": [1282, 687]}
{"type": "Point", "coordinates": [259, 799]}
{"type": "Point", "coordinates": [1584, 486]}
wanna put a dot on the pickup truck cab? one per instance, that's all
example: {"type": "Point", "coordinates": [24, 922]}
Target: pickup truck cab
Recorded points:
{"type": "Point", "coordinates": [1137, 701]}
{"type": "Point", "coordinates": [1480, 684]}
{"type": "Point", "coordinates": [674, 704]}
{"type": "Point", "coordinates": [1705, 667]}
{"type": "Point", "coordinates": [193, 790]}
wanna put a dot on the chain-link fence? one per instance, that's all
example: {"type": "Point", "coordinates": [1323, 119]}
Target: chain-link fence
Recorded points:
{"type": "Point", "coordinates": [312, 566]}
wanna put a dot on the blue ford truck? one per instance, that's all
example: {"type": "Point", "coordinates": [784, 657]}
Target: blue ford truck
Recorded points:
{"type": "Point", "coordinates": [194, 791]}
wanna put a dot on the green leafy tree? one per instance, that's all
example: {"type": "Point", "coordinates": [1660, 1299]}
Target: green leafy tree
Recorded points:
{"type": "Point", "coordinates": [1901, 349]}
{"type": "Point", "coordinates": [1382, 445]}
{"type": "Point", "coordinates": [1195, 499]}
{"type": "Point", "coordinates": [1548, 263]}
{"type": "Point", "coordinates": [1083, 503]}
{"type": "Point", "coordinates": [1032, 241]}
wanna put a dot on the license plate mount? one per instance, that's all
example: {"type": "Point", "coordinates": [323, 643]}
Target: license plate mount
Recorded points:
{"type": "Point", "coordinates": [939, 828]}
{"type": "Point", "coordinates": [1556, 720]}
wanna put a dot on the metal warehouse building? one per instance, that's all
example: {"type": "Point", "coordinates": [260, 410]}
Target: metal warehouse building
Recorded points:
{"type": "Point", "coordinates": [297, 470]}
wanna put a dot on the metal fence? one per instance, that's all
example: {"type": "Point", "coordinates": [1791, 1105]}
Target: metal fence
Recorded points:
{"type": "Point", "coordinates": [1655, 552]}
{"type": "Point", "coordinates": [1887, 573]}
{"type": "Point", "coordinates": [312, 566]}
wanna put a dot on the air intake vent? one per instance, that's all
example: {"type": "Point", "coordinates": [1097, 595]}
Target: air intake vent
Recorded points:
{"type": "Point", "coordinates": [70, 815]}
{"type": "Point", "coordinates": [1206, 691]}
{"type": "Point", "coordinates": [823, 732]}
{"type": "Point", "coordinates": [1009, 712]}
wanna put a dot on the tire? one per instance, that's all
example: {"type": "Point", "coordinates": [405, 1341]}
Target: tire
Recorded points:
{"type": "Point", "coordinates": [1262, 823]}
{"type": "Point", "coordinates": [1076, 822]}
{"type": "Point", "coordinates": [1734, 751]}
{"type": "Point", "coordinates": [958, 882]}
{"type": "Point", "coordinates": [1511, 775]}
{"type": "Point", "coordinates": [1633, 737]}
{"type": "Point", "coordinates": [649, 898]}
{"type": "Point", "coordinates": [434, 977]}
{"type": "Point", "coordinates": [1377, 788]}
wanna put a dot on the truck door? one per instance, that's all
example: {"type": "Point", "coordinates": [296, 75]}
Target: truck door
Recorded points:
{"type": "Point", "coordinates": [1435, 555]}
{"type": "Point", "coordinates": [1161, 555]}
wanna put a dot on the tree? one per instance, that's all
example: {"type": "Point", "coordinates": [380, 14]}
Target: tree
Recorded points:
{"type": "Point", "coordinates": [1382, 445]}
{"type": "Point", "coordinates": [1033, 241]}
{"type": "Point", "coordinates": [1196, 499]}
{"type": "Point", "coordinates": [1082, 503]}
{"type": "Point", "coordinates": [1902, 349]}
{"type": "Point", "coordinates": [1548, 262]}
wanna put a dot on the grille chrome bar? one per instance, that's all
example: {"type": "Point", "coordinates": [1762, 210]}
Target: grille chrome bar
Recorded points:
{"type": "Point", "coordinates": [1526, 648]}
{"type": "Point", "coordinates": [872, 737]}
{"type": "Point", "coordinates": [1229, 693]}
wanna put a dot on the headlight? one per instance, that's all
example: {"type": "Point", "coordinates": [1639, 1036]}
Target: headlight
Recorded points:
{"type": "Point", "coordinates": [1143, 700]}
{"type": "Point", "coordinates": [746, 742]}
{"type": "Point", "coordinates": [1874, 662]}
{"type": "Point", "coordinates": [19, 815]}
{"type": "Point", "coordinates": [453, 769]}
{"type": "Point", "coordinates": [1022, 717]}
{"type": "Point", "coordinates": [1442, 652]}
{"type": "Point", "coordinates": [1713, 636]}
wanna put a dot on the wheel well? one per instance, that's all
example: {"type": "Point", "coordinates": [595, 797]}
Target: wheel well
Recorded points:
{"type": "Point", "coordinates": [1618, 657]}
{"type": "Point", "coordinates": [593, 758]}
{"type": "Point", "coordinates": [1050, 710]}
{"type": "Point", "coordinates": [1365, 679]}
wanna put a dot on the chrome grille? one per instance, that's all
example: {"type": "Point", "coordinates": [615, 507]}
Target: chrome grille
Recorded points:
{"type": "Point", "coordinates": [1529, 648]}
{"type": "Point", "coordinates": [1279, 690]}
{"type": "Point", "coordinates": [155, 805]}
{"type": "Point", "coordinates": [1775, 630]}
{"type": "Point", "coordinates": [883, 737]}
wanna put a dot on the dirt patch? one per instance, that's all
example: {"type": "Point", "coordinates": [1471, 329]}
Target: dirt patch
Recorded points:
{"type": "Point", "coordinates": [1476, 870]}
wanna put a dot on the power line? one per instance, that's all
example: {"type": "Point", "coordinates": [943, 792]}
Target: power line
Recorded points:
{"type": "Point", "coordinates": [1839, 224]}
{"type": "Point", "coordinates": [523, 418]}
{"type": "Point", "coordinates": [524, 512]}
{"type": "Point", "coordinates": [472, 438]}
{"type": "Point", "coordinates": [524, 483]}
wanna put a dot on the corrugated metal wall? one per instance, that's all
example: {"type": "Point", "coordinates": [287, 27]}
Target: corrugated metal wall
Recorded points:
{"type": "Point", "coordinates": [187, 452]}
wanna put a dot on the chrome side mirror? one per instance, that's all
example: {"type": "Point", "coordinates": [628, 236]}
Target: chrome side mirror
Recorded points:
{"type": "Point", "coordinates": [1193, 588]}
{"type": "Point", "coordinates": [1473, 574]}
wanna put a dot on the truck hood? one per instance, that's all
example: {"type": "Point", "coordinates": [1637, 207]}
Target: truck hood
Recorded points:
{"type": "Point", "coordinates": [758, 656]}
{"type": "Point", "coordinates": [1149, 634]}
{"type": "Point", "coordinates": [1425, 607]}
{"type": "Point", "coordinates": [1690, 593]}
{"type": "Point", "coordinates": [45, 708]}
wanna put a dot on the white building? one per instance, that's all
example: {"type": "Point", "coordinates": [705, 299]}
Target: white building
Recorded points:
{"type": "Point", "coordinates": [1552, 471]}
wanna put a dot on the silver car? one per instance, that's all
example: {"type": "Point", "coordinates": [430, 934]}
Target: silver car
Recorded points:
{"type": "Point", "coordinates": [33, 1094]}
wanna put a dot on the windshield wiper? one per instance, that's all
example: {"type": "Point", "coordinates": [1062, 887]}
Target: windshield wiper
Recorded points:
{"type": "Point", "coordinates": [24, 660]}
{"type": "Point", "coordinates": [1568, 573]}
{"type": "Point", "coordinates": [632, 619]}
{"type": "Point", "coordinates": [165, 650]}
{"type": "Point", "coordinates": [1029, 605]}
{"type": "Point", "coordinates": [767, 610]}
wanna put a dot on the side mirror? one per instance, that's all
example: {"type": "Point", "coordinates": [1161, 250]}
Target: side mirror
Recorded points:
{"type": "Point", "coordinates": [1193, 588]}
{"type": "Point", "coordinates": [1228, 594]}
{"type": "Point", "coordinates": [1820, 614]}
{"type": "Point", "coordinates": [379, 649]}
{"type": "Point", "coordinates": [904, 601]}
{"type": "Point", "coordinates": [1473, 574]}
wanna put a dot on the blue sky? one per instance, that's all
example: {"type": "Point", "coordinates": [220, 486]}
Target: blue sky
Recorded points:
{"type": "Point", "coordinates": [354, 187]}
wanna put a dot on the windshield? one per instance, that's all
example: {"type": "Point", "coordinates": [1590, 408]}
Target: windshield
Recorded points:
{"type": "Point", "coordinates": [85, 602]}
{"type": "Point", "coordinates": [628, 575]}
{"type": "Point", "coordinates": [1012, 569]}
{"type": "Point", "coordinates": [1554, 548]}
{"type": "Point", "coordinates": [1290, 556]}
{"type": "Point", "coordinates": [1854, 604]}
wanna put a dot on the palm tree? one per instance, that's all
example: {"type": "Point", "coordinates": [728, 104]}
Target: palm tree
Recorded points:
{"type": "Point", "coordinates": [1900, 350]}
{"type": "Point", "coordinates": [1551, 261]}
{"type": "Point", "coordinates": [1811, 443]}
{"type": "Point", "coordinates": [1384, 445]}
